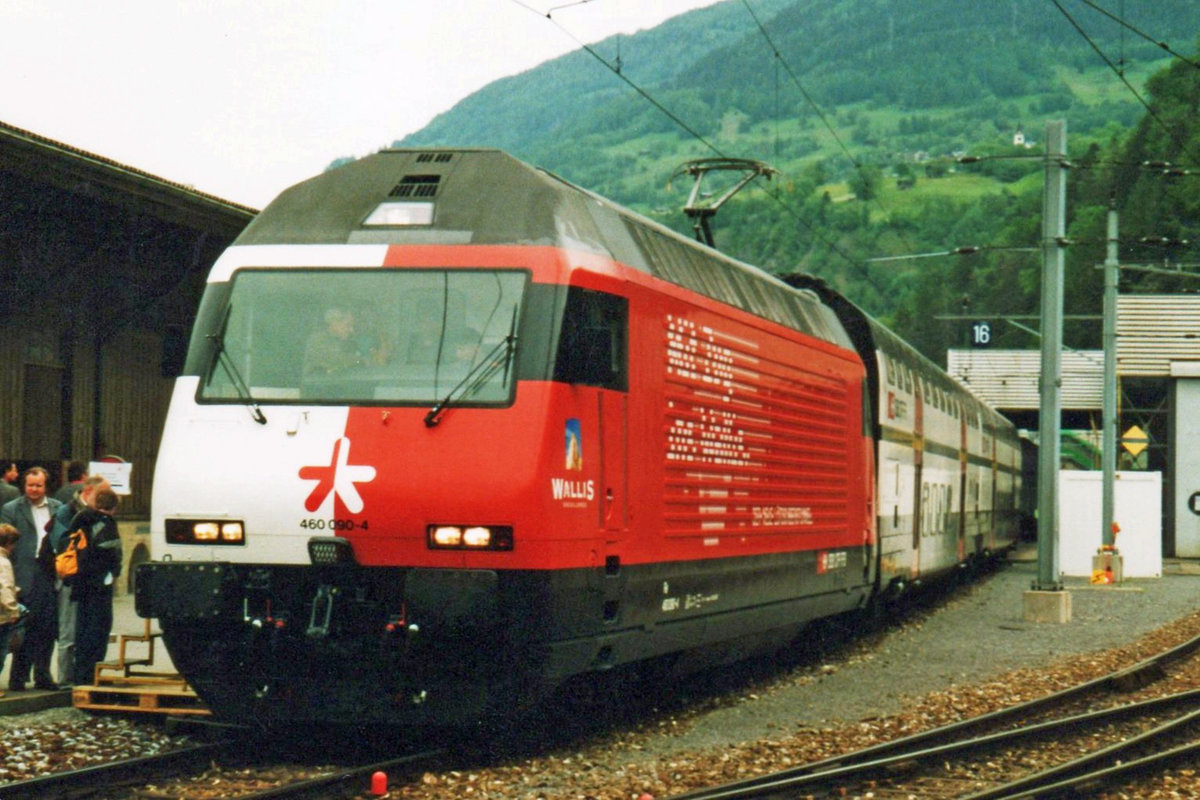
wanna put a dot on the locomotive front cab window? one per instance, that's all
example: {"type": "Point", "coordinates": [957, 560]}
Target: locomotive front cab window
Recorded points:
{"type": "Point", "coordinates": [397, 337]}
{"type": "Point", "coordinates": [592, 343]}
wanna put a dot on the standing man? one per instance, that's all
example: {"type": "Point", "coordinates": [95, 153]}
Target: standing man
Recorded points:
{"type": "Point", "coordinates": [76, 472]}
{"type": "Point", "coordinates": [30, 515]}
{"type": "Point", "coordinates": [8, 479]}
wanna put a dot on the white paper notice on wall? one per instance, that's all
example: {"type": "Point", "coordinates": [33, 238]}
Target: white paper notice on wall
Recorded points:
{"type": "Point", "coordinates": [117, 474]}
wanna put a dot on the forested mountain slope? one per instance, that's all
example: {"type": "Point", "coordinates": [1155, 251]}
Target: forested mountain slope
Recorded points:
{"type": "Point", "coordinates": [862, 105]}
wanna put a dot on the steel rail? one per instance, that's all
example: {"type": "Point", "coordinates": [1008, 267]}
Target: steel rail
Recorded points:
{"type": "Point", "coordinates": [1142, 673]}
{"type": "Point", "coordinates": [1104, 777]}
{"type": "Point", "coordinates": [866, 769]}
{"type": "Point", "coordinates": [86, 779]}
{"type": "Point", "coordinates": [1043, 781]}
{"type": "Point", "coordinates": [342, 777]}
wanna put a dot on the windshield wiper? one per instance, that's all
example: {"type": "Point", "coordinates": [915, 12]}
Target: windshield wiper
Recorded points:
{"type": "Point", "coordinates": [235, 377]}
{"type": "Point", "coordinates": [478, 375]}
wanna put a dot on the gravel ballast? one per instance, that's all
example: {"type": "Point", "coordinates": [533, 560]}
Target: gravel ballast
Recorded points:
{"type": "Point", "coordinates": [977, 635]}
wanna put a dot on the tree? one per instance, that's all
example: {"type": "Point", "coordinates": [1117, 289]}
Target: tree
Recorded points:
{"type": "Point", "coordinates": [865, 182]}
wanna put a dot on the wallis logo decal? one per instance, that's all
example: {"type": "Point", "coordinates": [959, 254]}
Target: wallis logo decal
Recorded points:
{"type": "Point", "coordinates": [563, 489]}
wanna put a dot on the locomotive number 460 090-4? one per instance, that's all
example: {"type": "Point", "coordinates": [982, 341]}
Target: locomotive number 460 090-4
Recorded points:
{"type": "Point", "coordinates": [317, 524]}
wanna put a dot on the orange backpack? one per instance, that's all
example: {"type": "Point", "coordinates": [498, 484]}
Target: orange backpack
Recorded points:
{"type": "Point", "coordinates": [66, 563]}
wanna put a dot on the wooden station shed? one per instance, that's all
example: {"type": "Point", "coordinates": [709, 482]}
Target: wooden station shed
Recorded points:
{"type": "Point", "coordinates": [101, 270]}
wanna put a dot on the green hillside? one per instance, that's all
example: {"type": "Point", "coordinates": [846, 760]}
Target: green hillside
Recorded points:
{"type": "Point", "coordinates": [863, 97]}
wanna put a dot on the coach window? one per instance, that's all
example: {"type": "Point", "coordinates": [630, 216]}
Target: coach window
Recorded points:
{"type": "Point", "coordinates": [592, 345]}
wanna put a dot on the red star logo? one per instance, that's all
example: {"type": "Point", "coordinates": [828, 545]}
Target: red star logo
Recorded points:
{"type": "Point", "coordinates": [339, 477]}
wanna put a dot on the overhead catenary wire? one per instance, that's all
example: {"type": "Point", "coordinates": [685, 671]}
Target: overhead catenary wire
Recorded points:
{"type": "Point", "coordinates": [808, 98]}
{"type": "Point", "coordinates": [1132, 29]}
{"type": "Point", "coordinates": [1121, 76]}
{"type": "Point", "coordinates": [615, 69]}
{"type": "Point", "coordinates": [965, 250]}
{"type": "Point", "coordinates": [550, 11]}
{"type": "Point", "coordinates": [800, 87]}
{"type": "Point", "coordinates": [1095, 47]}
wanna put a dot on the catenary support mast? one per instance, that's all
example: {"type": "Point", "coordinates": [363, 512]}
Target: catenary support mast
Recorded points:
{"type": "Point", "coordinates": [1053, 231]}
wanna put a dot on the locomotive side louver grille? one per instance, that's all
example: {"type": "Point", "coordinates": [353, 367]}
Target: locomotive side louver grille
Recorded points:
{"type": "Point", "coordinates": [437, 158]}
{"type": "Point", "coordinates": [416, 186]}
{"type": "Point", "coordinates": [759, 436]}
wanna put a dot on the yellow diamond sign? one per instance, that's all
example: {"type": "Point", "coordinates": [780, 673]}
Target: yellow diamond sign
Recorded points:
{"type": "Point", "coordinates": [1135, 440]}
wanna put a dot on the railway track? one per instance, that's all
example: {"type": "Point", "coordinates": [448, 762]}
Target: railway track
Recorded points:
{"type": "Point", "coordinates": [342, 781]}
{"type": "Point", "coordinates": [177, 766]}
{"type": "Point", "coordinates": [975, 758]}
{"type": "Point", "coordinates": [76, 782]}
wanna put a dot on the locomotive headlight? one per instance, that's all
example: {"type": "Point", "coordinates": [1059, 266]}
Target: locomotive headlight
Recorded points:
{"type": "Point", "coordinates": [477, 536]}
{"type": "Point", "coordinates": [205, 531]}
{"type": "Point", "coordinates": [445, 536]}
{"type": "Point", "coordinates": [469, 537]}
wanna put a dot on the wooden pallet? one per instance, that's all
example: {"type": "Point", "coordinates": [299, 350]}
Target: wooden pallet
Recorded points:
{"type": "Point", "coordinates": [120, 686]}
{"type": "Point", "coordinates": [154, 698]}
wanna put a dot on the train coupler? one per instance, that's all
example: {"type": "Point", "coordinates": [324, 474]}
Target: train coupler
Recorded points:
{"type": "Point", "coordinates": [322, 611]}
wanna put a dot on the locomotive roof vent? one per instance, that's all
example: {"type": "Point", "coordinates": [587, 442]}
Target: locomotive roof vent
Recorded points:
{"type": "Point", "coordinates": [438, 158]}
{"type": "Point", "coordinates": [410, 202]}
{"type": "Point", "coordinates": [416, 186]}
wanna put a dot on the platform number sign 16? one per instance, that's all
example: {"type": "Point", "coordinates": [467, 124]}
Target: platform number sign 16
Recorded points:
{"type": "Point", "coordinates": [981, 334]}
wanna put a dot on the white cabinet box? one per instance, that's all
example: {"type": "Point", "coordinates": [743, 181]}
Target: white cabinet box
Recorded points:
{"type": "Point", "coordinates": [1137, 509]}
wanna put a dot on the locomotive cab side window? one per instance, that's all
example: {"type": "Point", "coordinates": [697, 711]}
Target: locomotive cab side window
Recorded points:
{"type": "Point", "coordinates": [592, 344]}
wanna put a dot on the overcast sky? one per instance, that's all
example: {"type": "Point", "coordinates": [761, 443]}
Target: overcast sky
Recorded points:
{"type": "Point", "coordinates": [242, 99]}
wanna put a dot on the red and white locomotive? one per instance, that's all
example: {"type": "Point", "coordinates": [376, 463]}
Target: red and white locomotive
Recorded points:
{"type": "Point", "coordinates": [452, 430]}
